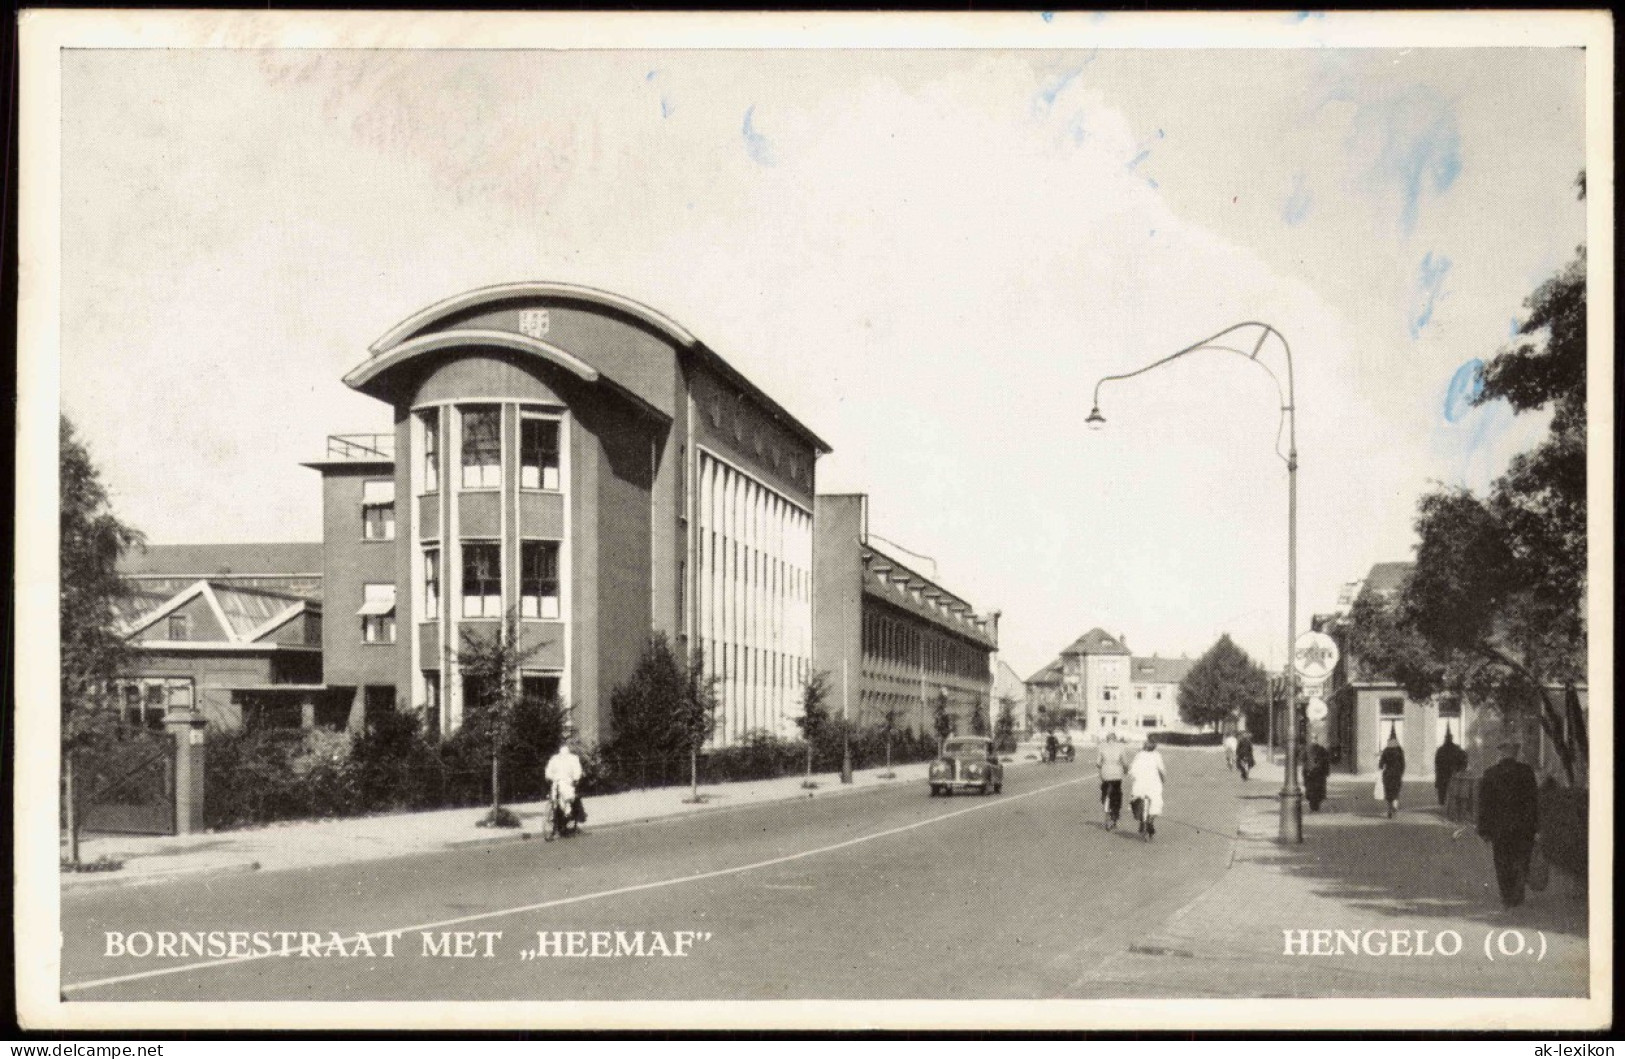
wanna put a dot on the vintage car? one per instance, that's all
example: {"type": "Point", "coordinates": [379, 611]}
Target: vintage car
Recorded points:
{"type": "Point", "coordinates": [967, 763]}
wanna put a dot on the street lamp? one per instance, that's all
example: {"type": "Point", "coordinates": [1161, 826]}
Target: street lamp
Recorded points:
{"type": "Point", "coordinates": [1291, 829]}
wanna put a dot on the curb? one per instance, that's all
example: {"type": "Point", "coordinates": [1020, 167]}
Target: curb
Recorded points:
{"type": "Point", "coordinates": [682, 814]}
{"type": "Point", "coordinates": [103, 880]}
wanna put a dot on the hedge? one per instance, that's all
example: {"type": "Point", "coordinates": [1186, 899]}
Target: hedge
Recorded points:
{"type": "Point", "coordinates": [1564, 820]}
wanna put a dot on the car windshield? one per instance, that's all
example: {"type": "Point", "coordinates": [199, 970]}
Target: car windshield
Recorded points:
{"type": "Point", "coordinates": [967, 746]}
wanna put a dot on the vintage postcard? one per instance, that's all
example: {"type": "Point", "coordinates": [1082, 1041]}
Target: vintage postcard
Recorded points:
{"type": "Point", "coordinates": [1058, 520]}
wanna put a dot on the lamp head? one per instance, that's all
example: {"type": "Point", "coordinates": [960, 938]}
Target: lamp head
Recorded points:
{"type": "Point", "coordinates": [1095, 420]}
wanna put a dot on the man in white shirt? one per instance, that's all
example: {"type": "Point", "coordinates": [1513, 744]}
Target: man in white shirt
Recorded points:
{"type": "Point", "coordinates": [1230, 750]}
{"type": "Point", "coordinates": [564, 773]}
{"type": "Point", "coordinates": [1146, 776]}
{"type": "Point", "coordinates": [1112, 755]}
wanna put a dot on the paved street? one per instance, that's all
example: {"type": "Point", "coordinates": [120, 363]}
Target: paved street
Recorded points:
{"type": "Point", "coordinates": [889, 894]}
{"type": "Point", "coordinates": [881, 894]}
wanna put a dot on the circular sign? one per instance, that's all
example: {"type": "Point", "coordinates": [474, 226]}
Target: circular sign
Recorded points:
{"type": "Point", "coordinates": [1314, 655]}
{"type": "Point", "coordinates": [1316, 710]}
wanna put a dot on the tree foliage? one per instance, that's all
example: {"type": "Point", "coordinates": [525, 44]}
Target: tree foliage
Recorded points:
{"type": "Point", "coordinates": [941, 719]}
{"type": "Point", "coordinates": [94, 652]}
{"type": "Point", "coordinates": [667, 706]}
{"type": "Point", "coordinates": [1494, 610]}
{"type": "Point", "coordinates": [497, 716]}
{"type": "Point", "coordinates": [1004, 730]}
{"type": "Point", "coordinates": [1222, 683]}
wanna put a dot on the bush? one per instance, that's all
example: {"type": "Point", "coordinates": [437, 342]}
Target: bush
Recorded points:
{"type": "Point", "coordinates": [1564, 819]}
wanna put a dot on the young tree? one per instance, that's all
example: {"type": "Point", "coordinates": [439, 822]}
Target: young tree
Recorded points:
{"type": "Point", "coordinates": [696, 715]}
{"type": "Point", "coordinates": [94, 653]}
{"type": "Point", "coordinates": [1004, 731]}
{"type": "Point", "coordinates": [978, 720]}
{"type": "Point", "coordinates": [888, 728]}
{"type": "Point", "coordinates": [1222, 683]}
{"type": "Point", "coordinates": [814, 719]}
{"type": "Point", "coordinates": [942, 720]}
{"type": "Point", "coordinates": [493, 703]}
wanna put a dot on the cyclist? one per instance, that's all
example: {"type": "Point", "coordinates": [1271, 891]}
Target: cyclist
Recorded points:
{"type": "Point", "coordinates": [564, 773]}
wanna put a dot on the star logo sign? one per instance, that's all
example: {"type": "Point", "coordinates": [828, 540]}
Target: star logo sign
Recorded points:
{"type": "Point", "coordinates": [1315, 656]}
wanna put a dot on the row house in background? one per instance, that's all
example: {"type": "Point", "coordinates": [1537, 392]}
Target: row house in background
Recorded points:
{"type": "Point", "coordinates": [1098, 680]}
{"type": "Point", "coordinates": [577, 464]}
{"type": "Point", "coordinates": [1365, 707]}
{"type": "Point", "coordinates": [891, 640]}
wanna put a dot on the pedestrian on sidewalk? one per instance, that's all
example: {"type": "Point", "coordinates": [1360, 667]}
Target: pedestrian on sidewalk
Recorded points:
{"type": "Point", "coordinates": [1230, 750]}
{"type": "Point", "coordinates": [1317, 767]}
{"type": "Point", "coordinates": [1448, 760]}
{"type": "Point", "coordinates": [1244, 754]}
{"type": "Point", "coordinates": [1391, 763]}
{"type": "Point", "coordinates": [1508, 819]}
{"type": "Point", "coordinates": [1146, 775]}
{"type": "Point", "coordinates": [1112, 767]}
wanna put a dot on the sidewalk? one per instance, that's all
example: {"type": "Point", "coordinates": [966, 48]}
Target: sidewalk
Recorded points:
{"type": "Point", "coordinates": [1357, 871]}
{"type": "Point", "coordinates": [308, 843]}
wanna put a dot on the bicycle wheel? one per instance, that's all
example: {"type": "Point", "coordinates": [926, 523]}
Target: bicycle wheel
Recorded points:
{"type": "Point", "coordinates": [550, 825]}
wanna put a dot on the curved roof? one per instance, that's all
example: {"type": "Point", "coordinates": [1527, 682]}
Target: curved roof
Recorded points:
{"type": "Point", "coordinates": [384, 359]}
{"type": "Point", "coordinates": [532, 289]}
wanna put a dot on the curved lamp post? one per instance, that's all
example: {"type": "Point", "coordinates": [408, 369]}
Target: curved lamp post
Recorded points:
{"type": "Point", "coordinates": [1291, 793]}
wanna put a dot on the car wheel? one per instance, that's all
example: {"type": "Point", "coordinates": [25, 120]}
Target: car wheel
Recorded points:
{"type": "Point", "coordinates": [998, 788]}
{"type": "Point", "coordinates": [935, 790]}
{"type": "Point", "coordinates": [985, 789]}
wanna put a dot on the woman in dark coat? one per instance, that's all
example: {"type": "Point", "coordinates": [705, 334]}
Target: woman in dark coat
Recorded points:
{"type": "Point", "coordinates": [1244, 754]}
{"type": "Point", "coordinates": [1392, 764]}
{"type": "Point", "coordinates": [1317, 767]}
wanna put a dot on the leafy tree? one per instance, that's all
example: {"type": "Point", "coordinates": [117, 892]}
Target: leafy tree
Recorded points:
{"type": "Point", "coordinates": [666, 707]}
{"type": "Point", "coordinates": [1221, 684]}
{"type": "Point", "coordinates": [888, 730]}
{"type": "Point", "coordinates": [495, 711]}
{"type": "Point", "coordinates": [94, 653]}
{"type": "Point", "coordinates": [1004, 731]}
{"type": "Point", "coordinates": [814, 719]}
{"type": "Point", "coordinates": [978, 720]}
{"type": "Point", "coordinates": [1497, 596]}
{"type": "Point", "coordinates": [941, 719]}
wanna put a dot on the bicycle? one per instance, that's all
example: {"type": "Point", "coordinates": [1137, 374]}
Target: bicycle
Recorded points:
{"type": "Point", "coordinates": [561, 820]}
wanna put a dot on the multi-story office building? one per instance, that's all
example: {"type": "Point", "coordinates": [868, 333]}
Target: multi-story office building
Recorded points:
{"type": "Point", "coordinates": [578, 465]}
{"type": "Point", "coordinates": [890, 639]}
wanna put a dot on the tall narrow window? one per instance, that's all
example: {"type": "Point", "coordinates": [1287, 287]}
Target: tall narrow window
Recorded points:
{"type": "Point", "coordinates": [378, 510]}
{"type": "Point", "coordinates": [431, 451]}
{"type": "Point", "coordinates": [178, 627]}
{"type": "Point", "coordinates": [538, 579]}
{"type": "Point", "coordinates": [431, 583]}
{"type": "Point", "coordinates": [377, 613]}
{"type": "Point", "coordinates": [482, 447]}
{"type": "Point", "coordinates": [431, 700]}
{"type": "Point", "coordinates": [538, 453]}
{"type": "Point", "coordinates": [482, 579]}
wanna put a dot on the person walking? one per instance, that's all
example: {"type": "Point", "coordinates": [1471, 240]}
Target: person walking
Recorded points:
{"type": "Point", "coordinates": [1391, 763]}
{"type": "Point", "coordinates": [1508, 819]}
{"type": "Point", "coordinates": [1112, 768]}
{"type": "Point", "coordinates": [1147, 774]}
{"type": "Point", "coordinates": [1244, 754]}
{"type": "Point", "coordinates": [1317, 767]}
{"type": "Point", "coordinates": [1448, 761]}
{"type": "Point", "coordinates": [1230, 750]}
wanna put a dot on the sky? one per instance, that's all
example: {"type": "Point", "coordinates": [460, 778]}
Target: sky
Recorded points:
{"type": "Point", "coordinates": [927, 256]}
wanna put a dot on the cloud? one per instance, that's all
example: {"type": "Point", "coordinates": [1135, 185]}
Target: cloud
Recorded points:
{"type": "Point", "coordinates": [756, 145]}
{"type": "Point", "coordinates": [1430, 277]}
{"type": "Point", "coordinates": [1298, 203]}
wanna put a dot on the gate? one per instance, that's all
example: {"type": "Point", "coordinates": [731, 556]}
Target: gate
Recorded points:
{"type": "Point", "coordinates": [129, 786]}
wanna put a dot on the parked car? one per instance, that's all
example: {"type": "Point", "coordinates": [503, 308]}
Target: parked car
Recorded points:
{"type": "Point", "coordinates": [968, 763]}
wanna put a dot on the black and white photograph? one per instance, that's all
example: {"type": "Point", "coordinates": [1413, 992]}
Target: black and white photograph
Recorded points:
{"type": "Point", "coordinates": [1038, 521]}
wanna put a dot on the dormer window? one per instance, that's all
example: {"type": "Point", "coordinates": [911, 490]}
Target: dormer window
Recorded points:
{"type": "Point", "coordinates": [179, 627]}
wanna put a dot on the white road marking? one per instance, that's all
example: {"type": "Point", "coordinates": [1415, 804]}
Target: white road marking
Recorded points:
{"type": "Point", "coordinates": [581, 898]}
